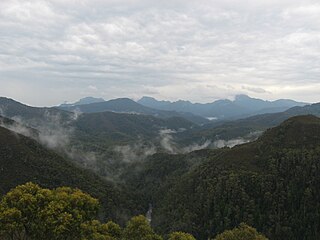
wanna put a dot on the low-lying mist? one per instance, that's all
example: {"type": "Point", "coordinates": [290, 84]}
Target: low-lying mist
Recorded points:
{"type": "Point", "coordinates": [60, 133]}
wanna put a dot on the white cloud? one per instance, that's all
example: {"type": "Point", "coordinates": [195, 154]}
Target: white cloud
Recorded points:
{"type": "Point", "coordinates": [197, 50]}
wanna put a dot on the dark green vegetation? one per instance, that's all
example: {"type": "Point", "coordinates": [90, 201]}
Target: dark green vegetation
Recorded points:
{"type": "Point", "coordinates": [243, 232]}
{"type": "Point", "coordinates": [31, 212]}
{"type": "Point", "coordinates": [23, 159]}
{"type": "Point", "coordinates": [272, 184]}
{"type": "Point", "coordinates": [115, 127]}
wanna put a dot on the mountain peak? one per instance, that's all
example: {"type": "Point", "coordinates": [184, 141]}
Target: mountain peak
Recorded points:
{"type": "Point", "coordinates": [147, 98]}
{"type": "Point", "coordinates": [242, 97]}
{"type": "Point", "coordinates": [83, 101]}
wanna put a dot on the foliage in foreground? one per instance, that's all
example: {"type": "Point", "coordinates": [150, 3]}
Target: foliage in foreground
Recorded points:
{"type": "Point", "coordinates": [32, 212]}
{"type": "Point", "coordinates": [243, 232]}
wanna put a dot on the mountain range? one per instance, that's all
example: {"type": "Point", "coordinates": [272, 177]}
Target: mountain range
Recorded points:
{"type": "Point", "coordinates": [126, 105]}
{"type": "Point", "coordinates": [241, 106]}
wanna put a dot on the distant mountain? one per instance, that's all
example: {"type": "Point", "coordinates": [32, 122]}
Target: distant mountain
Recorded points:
{"type": "Point", "coordinates": [83, 101]}
{"type": "Point", "coordinates": [246, 126]}
{"type": "Point", "coordinates": [23, 159]}
{"type": "Point", "coordinates": [126, 105]}
{"type": "Point", "coordinates": [223, 109]}
{"type": "Point", "coordinates": [105, 126]}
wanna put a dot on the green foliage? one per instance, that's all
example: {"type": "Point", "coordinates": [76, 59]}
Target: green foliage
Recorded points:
{"type": "Point", "coordinates": [243, 232]}
{"type": "Point", "coordinates": [138, 228]}
{"type": "Point", "coordinates": [94, 230]}
{"type": "Point", "coordinates": [271, 184]}
{"type": "Point", "coordinates": [41, 213]}
{"type": "Point", "coordinates": [23, 160]}
{"type": "Point", "coordinates": [180, 236]}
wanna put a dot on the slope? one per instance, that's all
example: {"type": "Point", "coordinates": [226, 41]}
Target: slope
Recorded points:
{"type": "Point", "coordinates": [23, 159]}
{"type": "Point", "coordinates": [272, 184]}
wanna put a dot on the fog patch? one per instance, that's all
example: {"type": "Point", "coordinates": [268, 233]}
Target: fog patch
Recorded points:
{"type": "Point", "coordinates": [196, 146]}
{"type": "Point", "coordinates": [136, 151]}
{"type": "Point", "coordinates": [170, 146]}
{"type": "Point", "coordinates": [19, 129]}
{"type": "Point", "coordinates": [229, 143]}
{"type": "Point", "coordinates": [236, 141]}
{"type": "Point", "coordinates": [166, 140]}
{"type": "Point", "coordinates": [76, 114]}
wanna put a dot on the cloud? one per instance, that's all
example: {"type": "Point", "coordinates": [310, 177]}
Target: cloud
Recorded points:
{"type": "Point", "coordinates": [255, 89]}
{"type": "Point", "coordinates": [165, 48]}
{"type": "Point", "coordinates": [93, 88]}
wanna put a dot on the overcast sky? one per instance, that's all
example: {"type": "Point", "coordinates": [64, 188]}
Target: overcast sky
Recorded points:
{"type": "Point", "coordinates": [61, 50]}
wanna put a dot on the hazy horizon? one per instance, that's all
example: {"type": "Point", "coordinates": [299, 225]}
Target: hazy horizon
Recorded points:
{"type": "Point", "coordinates": [158, 99]}
{"type": "Point", "coordinates": [52, 51]}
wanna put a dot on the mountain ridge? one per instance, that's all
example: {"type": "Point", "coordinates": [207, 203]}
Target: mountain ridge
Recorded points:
{"type": "Point", "coordinates": [241, 106]}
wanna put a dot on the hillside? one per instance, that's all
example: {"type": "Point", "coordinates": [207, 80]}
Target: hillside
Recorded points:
{"type": "Point", "coordinates": [272, 184]}
{"type": "Point", "coordinates": [126, 127]}
{"type": "Point", "coordinates": [23, 160]}
{"type": "Point", "coordinates": [33, 115]}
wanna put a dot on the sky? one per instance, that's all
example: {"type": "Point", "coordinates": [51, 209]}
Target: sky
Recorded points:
{"type": "Point", "coordinates": [56, 50]}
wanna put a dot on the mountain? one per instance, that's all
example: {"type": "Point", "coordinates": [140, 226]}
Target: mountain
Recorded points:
{"type": "Point", "coordinates": [34, 115]}
{"type": "Point", "coordinates": [23, 159]}
{"type": "Point", "coordinates": [126, 105]}
{"type": "Point", "coordinates": [246, 127]}
{"type": "Point", "coordinates": [99, 141]}
{"type": "Point", "coordinates": [272, 184]}
{"type": "Point", "coordinates": [241, 106]}
{"type": "Point", "coordinates": [110, 126]}
{"type": "Point", "coordinates": [83, 101]}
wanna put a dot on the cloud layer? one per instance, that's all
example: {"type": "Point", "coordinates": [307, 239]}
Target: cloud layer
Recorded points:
{"type": "Point", "coordinates": [56, 50]}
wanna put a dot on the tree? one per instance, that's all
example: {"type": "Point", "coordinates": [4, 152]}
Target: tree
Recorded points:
{"type": "Point", "coordinates": [243, 232]}
{"type": "Point", "coordinates": [138, 228]}
{"type": "Point", "coordinates": [181, 236]}
{"type": "Point", "coordinates": [32, 212]}
{"type": "Point", "coordinates": [94, 230]}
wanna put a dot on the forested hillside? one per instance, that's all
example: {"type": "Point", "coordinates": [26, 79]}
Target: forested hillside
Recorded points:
{"type": "Point", "coordinates": [23, 160]}
{"type": "Point", "coordinates": [272, 184]}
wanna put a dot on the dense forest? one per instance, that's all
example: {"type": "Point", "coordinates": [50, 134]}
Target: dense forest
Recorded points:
{"type": "Point", "coordinates": [31, 212]}
{"type": "Point", "coordinates": [272, 184]}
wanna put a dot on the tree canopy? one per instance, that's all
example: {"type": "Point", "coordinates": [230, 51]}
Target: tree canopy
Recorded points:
{"type": "Point", "coordinates": [243, 232]}
{"type": "Point", "coordinates": [31, 212]}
